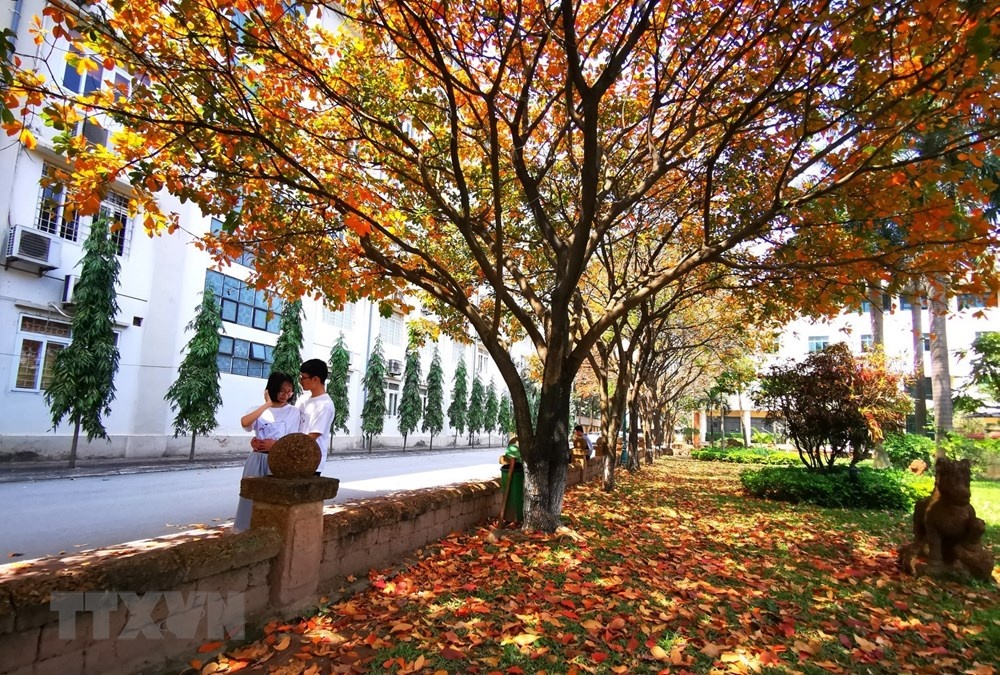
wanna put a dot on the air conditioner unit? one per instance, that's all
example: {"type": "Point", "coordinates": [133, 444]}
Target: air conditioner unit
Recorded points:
{"type": "Point", "coordinates": [395, 367]}
{"type": "Point", "coordinates": [69, 287]}
{"type": "Point", "coordinates": [31, 246]}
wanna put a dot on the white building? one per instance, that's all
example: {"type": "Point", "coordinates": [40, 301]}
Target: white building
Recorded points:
{"type": "Point", "coordinates": [161, 282]}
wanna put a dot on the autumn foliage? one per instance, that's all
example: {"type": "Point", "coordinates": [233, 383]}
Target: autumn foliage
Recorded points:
{"type": "Point", "coordinates": [502, 156]}
{"type": "Point", "coordinates": [679, 572]}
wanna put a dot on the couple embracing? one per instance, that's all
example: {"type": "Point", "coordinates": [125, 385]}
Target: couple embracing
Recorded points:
{"type": "Point", "coordinates": [312, 414]}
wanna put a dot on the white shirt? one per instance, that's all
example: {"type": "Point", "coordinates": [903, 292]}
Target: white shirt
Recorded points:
{"type": "Point", "coordinates": [317, 417]}
{"type": "Point", "coordinates": [274, 423]}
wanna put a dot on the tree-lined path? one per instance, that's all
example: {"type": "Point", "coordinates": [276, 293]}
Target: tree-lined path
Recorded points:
{"type": "Point", "coordinates": [676, 571]}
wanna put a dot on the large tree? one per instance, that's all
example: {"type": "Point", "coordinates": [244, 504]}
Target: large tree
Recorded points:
{"type": "Point", "coordinates": [196, 393]}
{"type": "Point", "coordinates": [486, 152]}
{"type": "Point", "coordinates": [83, 375]}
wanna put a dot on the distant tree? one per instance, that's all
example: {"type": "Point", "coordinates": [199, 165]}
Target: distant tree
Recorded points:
{"type": "Point", "coordinates": [492, 410]}
{"type": "Point", "coordinates": [196, 395]}
{"type": "Point", "coordinates": [477, 408]}
{"type": "Point", "coordinates": [374, 410]}
{"type": "Point", "coordinates": [409, 400]}
{"type": "Point", "coordinates": [986, 363]}
{"type": "Point", "coordinates": [340, 375]}
{"type": "Point", "coordinates": [288, 349]}
{"type": "Point", "coordinates": [835, 404]}
{"type": "Point", "coordinates": [505, 418]}
{"type": "Point", "coordinates": [434, 412]}
{"type": "Point", "coordinates": [458, 409]}
{"type": "Point", "coordinates": [83, 375]}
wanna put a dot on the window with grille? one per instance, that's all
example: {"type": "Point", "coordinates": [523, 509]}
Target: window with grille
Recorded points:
{"type": "Point", "coordinates": [58, 218]}
{"type": "Point", "coordinates": [54, 216]}
{"type": "Point", "coordinates": [344, 319]}
{"type": "Point", "coordinates": [393, 331]}
{"type": "Point", "coordinates": [39, 340]}
{"type": "Point", "coordinates": [242, 304]}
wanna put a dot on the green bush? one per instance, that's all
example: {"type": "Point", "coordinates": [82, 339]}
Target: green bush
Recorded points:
{"type": "Point", "coordinates": [904, 448]}
{"type": "Point", "coordinates": [746, 456]}
{"type": "Point", "coordinates": [978, 452]}
{"type": "Point", "coordinates": [861, 488]}
{"type": "Point", "coordinates": [761, 437]}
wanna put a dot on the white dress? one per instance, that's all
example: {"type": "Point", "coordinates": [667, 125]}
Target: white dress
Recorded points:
{"type": "Point", "coordinates": [272, 424]}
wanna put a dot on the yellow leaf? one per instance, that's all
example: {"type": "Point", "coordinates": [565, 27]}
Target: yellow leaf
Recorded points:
{"type": "Point", "coordinates": [401, 627]}
{"type": "Point", "coordinates": [804, 647]}
{"type": "Point", "coordinates": [658, 653]}
{"type": "Point", "coordinates": [523, 640]}
{"type": "Point", "coordinates": [210, 668]}
{"type": "Point", "coordinates": [28, 139]}
{"type": "Point", "coordinates": [590, 624]}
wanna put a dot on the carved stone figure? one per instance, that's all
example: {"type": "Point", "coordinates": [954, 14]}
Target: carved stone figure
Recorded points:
{"type": "Point", "coordinates": [947, 533]}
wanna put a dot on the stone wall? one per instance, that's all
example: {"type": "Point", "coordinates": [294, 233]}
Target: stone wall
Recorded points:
{"type": "Point", "coordinates": [161, 589]}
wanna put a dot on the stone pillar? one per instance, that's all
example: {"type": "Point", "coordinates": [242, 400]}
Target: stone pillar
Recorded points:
{"type": "Point", "coordinates": [293, 507]}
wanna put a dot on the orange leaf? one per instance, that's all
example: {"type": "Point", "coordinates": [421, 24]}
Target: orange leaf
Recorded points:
{"type": "Point", "coordinates": [283, 644]}
{"type": "Point", "coordinates": [209, 647]}
{"type": "Point", "coordinates": [658, 653]}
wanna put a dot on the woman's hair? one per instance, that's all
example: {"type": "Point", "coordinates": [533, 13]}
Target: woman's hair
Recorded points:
{"type": "Point", "coordinates": [274, 382]}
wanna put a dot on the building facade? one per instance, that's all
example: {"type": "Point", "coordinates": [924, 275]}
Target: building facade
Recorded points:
{"type": "Point", "coordinates": [161, 285]}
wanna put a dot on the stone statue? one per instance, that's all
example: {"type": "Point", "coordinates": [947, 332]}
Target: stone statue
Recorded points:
{"type": "Point", "coordinates": [947, 533]}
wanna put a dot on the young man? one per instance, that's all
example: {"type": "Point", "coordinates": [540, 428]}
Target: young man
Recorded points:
{"type": "Point", "coordinates": [317, 407]}
{"type": "Point", "coordinates": [317, 410]}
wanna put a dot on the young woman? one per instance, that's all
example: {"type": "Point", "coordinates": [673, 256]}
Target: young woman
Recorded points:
{"type": "Point", "coordinates": [272, 420]}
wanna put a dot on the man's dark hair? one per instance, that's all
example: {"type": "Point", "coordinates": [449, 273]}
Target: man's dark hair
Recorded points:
{"type": "Point", "coordinates": [578, 427]}
{"type": "Point", "coordinates": [315, 368]}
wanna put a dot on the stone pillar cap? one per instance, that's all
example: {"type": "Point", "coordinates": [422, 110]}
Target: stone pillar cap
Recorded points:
{"type": "Point", "coordinates": [289, 491]}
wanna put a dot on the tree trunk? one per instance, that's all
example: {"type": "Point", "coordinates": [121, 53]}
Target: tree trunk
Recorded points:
{"type": "Point", "coordinates": [72, 447]}
{"type": "Point", "coordinates": [877, 312]}
{"type": "Point", "coordinates": [919, 391]}
{"type": "Point", "coordinates": [940, 368]}
{"type": "Point", "coordinates": [191, 454]}
{"type": "Point", "coordinates": [546, 458]}
{"type": "Point", "coordinates": [876, 302]}
{"type": "Point", "coordinates": [430, 446]}
{"type": "Point", "coordinates": [404, 442]}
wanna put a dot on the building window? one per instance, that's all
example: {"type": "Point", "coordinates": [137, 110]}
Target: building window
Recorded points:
{"type": "Point", "coordinates": [114, 208]}
{"type": "Point", "coordinates": [56, 218]}
{"type": "Point", "coordinates": [904, 302]}
{"type": "Point", "coordinates": [482, 358]}
{"type": "Point", "coordinates": [242, 304]}
{"type": "Point", "coordinates": [393, 331]}
{"type": "Point", "coordinates": [344, 319]}
{"type": "Point", "coordinates": [53, 216]}
{"type": "Point", "coordinates": [39, 341]}
{"type": "Point", "coordinates": [818, 342]}
{"type": "Point", "coordinates": [927, 342]}
{"type": "Point", "coordinates": [867, 341]}
{"type": "Point", "coordinates": [246, 258]}
{"type": "Point", "coordinates": [391, 398]}
{"type": "Point", "coordinates": [242, 357]}
{"type": "Point", "coordinates": [971, 301]}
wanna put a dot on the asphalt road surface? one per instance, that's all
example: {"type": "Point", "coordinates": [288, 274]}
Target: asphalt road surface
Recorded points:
{"type": "Point", "coordinates": [50, 517]}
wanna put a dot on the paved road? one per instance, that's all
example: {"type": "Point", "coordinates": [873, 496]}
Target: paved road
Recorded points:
{"type": "Point", "coordinates": [70, 515]}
